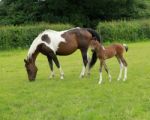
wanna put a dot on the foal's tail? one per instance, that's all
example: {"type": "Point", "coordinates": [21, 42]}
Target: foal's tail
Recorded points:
{"type": "Point", "coordinates": [99, 39]}
{"type": "Point", "coordinates": [126, 47]}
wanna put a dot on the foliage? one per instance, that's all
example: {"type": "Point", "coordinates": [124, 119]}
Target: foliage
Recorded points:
{"type": "Point", "coordinates": [22, 36]}
{"type": "Point", "coordinates": [124, 30]}
{"type": "Point", "coordinates": [74, 98]}
{"type": "Point", "coordinates": [80, 13]}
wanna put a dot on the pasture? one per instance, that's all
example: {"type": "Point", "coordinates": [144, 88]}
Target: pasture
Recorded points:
{"type": "Point", "coordinates": [74, 98]}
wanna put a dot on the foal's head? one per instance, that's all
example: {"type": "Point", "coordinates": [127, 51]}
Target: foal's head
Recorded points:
{"type": "Point", "coordinates": [94, 45]}
{"type": "Point", "coordinates": [31, 69]}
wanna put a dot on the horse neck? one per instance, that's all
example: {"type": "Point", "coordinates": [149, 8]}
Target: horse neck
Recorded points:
{"type": "Point", "coordinates": [100, 48]}
{"type": "Point", "coordinates": [33, 56]}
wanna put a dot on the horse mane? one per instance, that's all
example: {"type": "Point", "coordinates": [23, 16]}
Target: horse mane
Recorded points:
{"type": "Point", "coordinates": [95, 34]}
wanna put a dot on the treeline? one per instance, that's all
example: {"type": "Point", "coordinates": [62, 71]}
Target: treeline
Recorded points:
{"type": "Point", "coordinates": [122, 31]}
{"type": "Point", "coordinates": [85, 13]}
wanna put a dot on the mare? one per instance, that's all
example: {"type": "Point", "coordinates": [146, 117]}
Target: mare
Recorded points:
{"type": "Point", "coordinates": [103, 53]}
{"type": "Point", "coordinates": [52, 43]}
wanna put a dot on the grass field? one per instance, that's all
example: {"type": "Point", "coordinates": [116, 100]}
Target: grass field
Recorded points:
{"type": "Point", "coordinates": [74, 98]}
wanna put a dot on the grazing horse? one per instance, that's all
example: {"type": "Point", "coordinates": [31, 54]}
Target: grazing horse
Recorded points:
{"type": "Point", "coordinates": [52, 43]}
{"type": "Point", "coordinates": [103, 53]}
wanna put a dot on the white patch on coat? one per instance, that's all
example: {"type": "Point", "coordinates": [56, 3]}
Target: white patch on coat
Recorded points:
{"type": "Point", "coordinates": [55, 38]}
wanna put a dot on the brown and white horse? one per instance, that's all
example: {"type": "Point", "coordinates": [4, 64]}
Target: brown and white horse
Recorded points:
{"type": "Point", "coordinates": [52, 43]}
{"type": "Point", "coordinates": [103, 53]}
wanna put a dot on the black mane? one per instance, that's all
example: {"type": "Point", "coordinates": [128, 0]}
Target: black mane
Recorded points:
{"type": "Point", "coordinates": [95, 34]}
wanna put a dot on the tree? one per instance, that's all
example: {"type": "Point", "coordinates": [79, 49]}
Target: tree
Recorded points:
{"type": "Point", "coordinates": [78, 12]}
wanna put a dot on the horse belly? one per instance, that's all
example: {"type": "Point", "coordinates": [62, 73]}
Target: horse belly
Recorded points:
{"type": "Point", "coordinates": [109, 53]}
{"type": "Point", "coordinates": [67, 48]}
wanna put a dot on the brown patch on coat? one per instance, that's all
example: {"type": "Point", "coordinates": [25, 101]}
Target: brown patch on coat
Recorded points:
{"type": "Point", "coordinates": [75, 38]}
{"type": "Point", "coordinates": [46, 38]}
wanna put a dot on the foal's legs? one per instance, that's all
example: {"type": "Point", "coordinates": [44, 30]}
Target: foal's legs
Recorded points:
{"type": "Point", "coordinates": [107, 70]}
{"type": "Point", "coordinates": [125, 67]}
{"type": "Point", "coordinates": [51, 66]}
{"type": "Point", "coordinates": [100, 70]}
{"type": "Point", "coordinates": [54, 57]}
{"type": "Point", "coordinates": [121, 68]}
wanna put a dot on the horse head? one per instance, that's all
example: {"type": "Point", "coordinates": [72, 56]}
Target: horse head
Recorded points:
{"type": "Point", "coordinates": [31, 69]}
{"type": "Point", "coordinates": [94, 44]}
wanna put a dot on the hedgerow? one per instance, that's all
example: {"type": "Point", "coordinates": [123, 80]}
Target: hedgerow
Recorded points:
{"type": "Point", "coordinates": [22, 36]}
{"type": "Point", "coordinates": [124, 30]}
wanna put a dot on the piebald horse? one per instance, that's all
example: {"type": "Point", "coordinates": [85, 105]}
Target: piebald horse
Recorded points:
{"type": "Point", "coordinates": [52, 43]}
{"type": "Point", "coordinates": [104, 53]}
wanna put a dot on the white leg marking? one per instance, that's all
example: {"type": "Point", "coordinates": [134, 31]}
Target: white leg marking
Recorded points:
{"type": "Point", "coordinates": [109, 77]}
{"type": "Point", "coordinates": [100, 78]}
{"type": "Point", "coordinates": [82, 72]}
{"type": "Point", "coordinates": [120, 74]}
{"type": "Point", "coordinates": [125, 74]}
{"type": "Point", "coordinates": [52, 75]}
{"type": "Point", "coordinates": [61, 73]}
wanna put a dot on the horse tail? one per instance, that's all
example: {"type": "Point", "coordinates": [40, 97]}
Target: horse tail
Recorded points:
{"type": "Point", "coordinates": [126, 47]}
{"type": "Point", "coordinates": [99, 39]}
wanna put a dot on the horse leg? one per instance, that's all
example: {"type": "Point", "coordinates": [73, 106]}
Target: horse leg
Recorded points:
{"type": "Point", "coordinates": [125, 68]}
{"type": "Point", "coordinates": [107, 70]}
{"type": "Point", "coordinates": [88, 65]}
{"type": "Point", "coordinates": [85, 61]}
{"type": "Point", "coordinates": [93, 60]}
{"type": "Point", "coordinates": [121, 69]}
{"type": "Point", "coordinates": [54, 57]}
{"type": "Point", "coordinates": [100, 70]}
{"type": "Point", "coordinates": [50, 61]}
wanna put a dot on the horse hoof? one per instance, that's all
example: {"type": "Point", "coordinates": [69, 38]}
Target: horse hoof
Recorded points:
{"type": "Point", "coordinates": [81, 76]}
{"type": "Point", "coordinates": [109, 79]}
{"type": "Point", "coordinates": [99, 83]}
{"type": "Point", "coordinates": [88, 74]}
{"type": "Point", "coordinates": [62, 77]}
{"type": "Point", "coordinates": [50, 77]}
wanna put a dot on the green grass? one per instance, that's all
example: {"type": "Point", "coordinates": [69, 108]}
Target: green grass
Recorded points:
{"type": "Point", "coordinates": [74, 98]}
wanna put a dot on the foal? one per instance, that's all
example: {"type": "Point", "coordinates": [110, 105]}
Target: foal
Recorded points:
{"type": "Point", "coordinates": [116, 50]}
